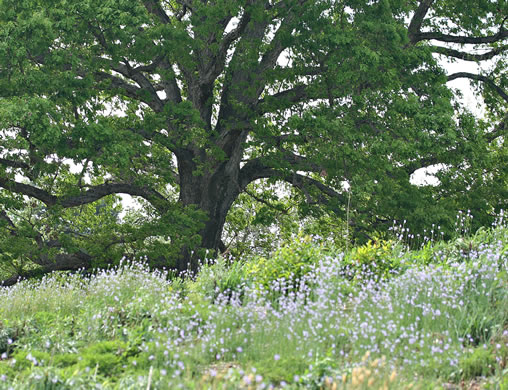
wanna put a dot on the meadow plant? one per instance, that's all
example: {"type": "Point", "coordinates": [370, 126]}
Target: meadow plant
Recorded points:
{"type": "Point", "coordinates": [437, 321]}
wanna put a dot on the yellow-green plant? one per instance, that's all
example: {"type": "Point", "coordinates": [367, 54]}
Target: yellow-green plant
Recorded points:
{"type": "Point", "coordinates": [291, 262]}
{"type": "Point", "coordinates": [374, 259]}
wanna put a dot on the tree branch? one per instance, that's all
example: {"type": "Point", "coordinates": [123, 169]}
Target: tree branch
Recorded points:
{"type": "Point", "coordinates": [173, 93]}
{"type": "Point", "coordinates": [97, 192]}
{"type": "Point", "coordinates": [468, 56]}
{"type": "Point", "coordinates": [62, 262]}
{"type": "Point", "coordinates": [284, 99]}
{"type": "Point", "coordinates": [146, 86]}
{"type": "Point", "coordinates": [219, 61]}
{"type": "Point", "coordinates": [498, 131]}
{"type": "Point", "coordinates": [426, 36]}
{"type": "Point", "coordinates": [265, 202]}
{"type": "Point", "coordinates": [154, 7]}
{"type": "Point", "coordinates": [255, 169]}
{"type": "Point", "coordinates": [91, 195]}
{"type": "Point", "coordinates": [300, 181]}
{"type": "Point", "coordinates": [479, 77]}
{"type": "Point", "coordinates": [5, 217]}
{"type": "Point", "coordinates": [128, 90]}
{"type": "Point", "coordinates": [28, 190]}
{"type": "Point", "coordinates": [13, 164]}
{"type": "Point", "coordinates": [417, 20]}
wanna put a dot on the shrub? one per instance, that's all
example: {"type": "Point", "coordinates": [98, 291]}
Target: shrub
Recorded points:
{"type": "Point", "coordinates": [291, 263]}
{"type": "Point", "coordinates": [374, 259]}
{"type": "Point", "coordinates": [26, 359]}
{"type": "Point", "coordinates": [107, 357]}
{"type": "Point", "coordinates": [481, 362]}
{"type": "Point", "coordinates": [216, 278]}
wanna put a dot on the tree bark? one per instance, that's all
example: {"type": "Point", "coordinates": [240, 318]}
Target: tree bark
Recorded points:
{"type": "Point", "coordinates": [62, 262]}
{"type": "Point", "coordinates": [213, 193]}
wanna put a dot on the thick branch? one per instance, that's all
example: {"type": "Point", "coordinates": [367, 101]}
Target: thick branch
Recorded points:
{"type": "Point", "coordinates": [255, 169]}
{"type": "Point", "coordinates": [289, 97]}
{"type": "Point", "coordinates": [28, 190]}
{"type": "Point", "coordinates": [13, 164]}
{"type": "Point", "coordinates": [150, 67]}
{"type": "Point", "coordinates": [417, 20]}
{"type": "Point", "coordinates": [271, 56]}
{"type": "Point", "coordinates": [97, 192]}
{"type": "Point", "coordinates": [265, 202]}
{"type": "Point", "coordinates": [154, 7]}
{"type": "Point", "coordinates": [468, 56]}
{"type": "Point", "coordinates": [426, 36]}
{"type": "Point", "coordinates": [173, 93]}
{"type": "Point", "coordinates": [130, 90]}
{"type": "Point", "coordinates": [301, 182]}
{"type": "Point", "coordinates": [142, 81]}
{"type": "Point", "coordinates": [91, 195]}
{"type": "Point", "coordinates": [62, 262]}
{"type": "Point", "coordinates": [301, 163]}
{"type": "Point", "coordinates": [5, 217]}
{"type": "Point", "coordinates": [220, 59]}
{"type": "Point", "coordinates": [479, 77]}
{"type": "Point", "coordinates": [498, 131]}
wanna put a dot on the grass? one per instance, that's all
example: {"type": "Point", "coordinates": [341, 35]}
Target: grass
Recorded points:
{"type": "Point", "coordinates": [377, 317]}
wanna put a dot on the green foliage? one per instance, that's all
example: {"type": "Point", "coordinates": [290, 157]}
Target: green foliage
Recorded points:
{"type": "Point", "coordinates": [106, 357]}
{"type": "Point", "coordinates": [220, 277]}
{"type": "Point", "coordinates": [189, 113]}
{"type": "Point", "coordinates": [480, 362]}
{"type": "Point", "coordinates": [130, 327]}
{"type": "Point", "coordinates": [291, 263]}
{"type": "Point", "coordinates": [7, 336]}
{"type": "Point", "coordinates": [27, 359]}
{"type": "Point", "coordinates": [376, 259]}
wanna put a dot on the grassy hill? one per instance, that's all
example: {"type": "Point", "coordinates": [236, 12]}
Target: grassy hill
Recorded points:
{"type": "Point", "coordinates": [310, 316]}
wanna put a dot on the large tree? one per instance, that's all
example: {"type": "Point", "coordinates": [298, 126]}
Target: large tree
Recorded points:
{"type": "Point", "coordinates": [186, 103]}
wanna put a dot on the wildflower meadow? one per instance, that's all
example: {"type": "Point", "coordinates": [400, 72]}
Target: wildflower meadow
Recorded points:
{"type": "Point", "coordinates": [379, 316]}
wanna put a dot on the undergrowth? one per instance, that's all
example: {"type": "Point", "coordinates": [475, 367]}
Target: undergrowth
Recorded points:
{"type": "Point", "coordinates": [380, 316]}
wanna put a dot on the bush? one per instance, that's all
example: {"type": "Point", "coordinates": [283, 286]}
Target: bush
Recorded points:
{"type": "Point", "coordinates": [375, 260]}
{"type": "Point", "coordinates": [107, 357]}
{"type": "Point", "coordinates": [216, 278]}
{"type": "Point", "coordinates": [26, 360]}
{"type": "Point", "coordinates": [290, 263]}
{"type": "Point", "coordinates": [481, 362]}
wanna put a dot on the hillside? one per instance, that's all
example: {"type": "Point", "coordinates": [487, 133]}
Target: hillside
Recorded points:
{"type": "Point", "coordinates": [378, 317]}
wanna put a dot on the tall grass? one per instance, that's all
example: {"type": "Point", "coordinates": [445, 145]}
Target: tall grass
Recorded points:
{"type": "Point", "coordinates": [439, 316]}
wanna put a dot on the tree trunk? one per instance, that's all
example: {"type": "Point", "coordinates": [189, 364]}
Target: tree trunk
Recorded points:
{"type": "Point", "coordinates": [214, 194]}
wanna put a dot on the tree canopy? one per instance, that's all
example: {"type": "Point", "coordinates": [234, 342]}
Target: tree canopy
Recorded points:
{"type": "Point", "coordinates": [191, 106]}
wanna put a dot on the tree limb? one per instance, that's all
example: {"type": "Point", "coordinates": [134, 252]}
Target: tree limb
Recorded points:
{"type": "Point", "coordinates": [426, 36]}
{"type": "Point", "coordinates": [219, 61]}
{"type": "Point", "coordinates": [468, 56]}
{"type": "Point", "coordinates": [13, 164]}
{"type": "Point", "coordinates": [62, 262]}
{"type": "Point", "coordinates": [417, 20]}
{"type": "Point", "coordinates": [479, 77]}
{"type": "Point", "coordinates": [130, 90]}
{"type": "Point", "coordinates": [146, 86]}
{"type": "Point", "coordinates": [292, 96]}
{"type": "Point", "coordinates": [5, 217]}
{"type": "Point", "coordinates": [28, 190]}
{"type": "Point", "coordinates": [173, 93]}
{"type": "Point", "coordinates": [265, 202]}
{"type": "Point", "coordinates": [301, 181]}
{"type": "Point", "coordinates": [255, 169]}
{"type": "Point", "coordinates": [154, 7]}
{"type": "Point", "coordinates": [91, 195]}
